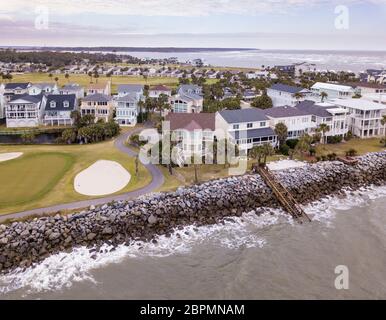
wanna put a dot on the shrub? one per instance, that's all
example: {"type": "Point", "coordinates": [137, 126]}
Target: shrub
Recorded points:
{"type": "Point", "coordinates": [351, 152]}
{"type": "Point", "coordinates": [331, 156]}
{"type": "Point", "coordinates": [292, 143]}
{"type": "Point", "coordinates": [334, 139]}
{"type": "Point", "coordinates": [284, 149]}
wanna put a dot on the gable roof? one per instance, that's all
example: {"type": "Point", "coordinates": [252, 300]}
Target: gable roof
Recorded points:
{"type": "Point", "coordinates": [130, 88]}
{"type": "Point", "coordinates": [130, 97]}
{"type": "Point", "coordinates": [59, 100]}
{"type": "Point", "coordinates": [97, 97]}
{"type": "Point", "coordinates": [192, 121]}
{"type": "Point", "coordinates": [285, 111]}
{"type": "Point", "coordinates": [286, 88]}
{"type": "Point", "coordinates": [243, 115]}
{"type": "Point", "coordinates": [13, 86]}
{"type": "Point", "coordinates": [27, 97]}
{"type": "Point", "coordinates": [311, 108]}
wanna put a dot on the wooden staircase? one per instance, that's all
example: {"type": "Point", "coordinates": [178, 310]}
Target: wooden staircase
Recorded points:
{"type": "Point", "coordinates": [283, 195]}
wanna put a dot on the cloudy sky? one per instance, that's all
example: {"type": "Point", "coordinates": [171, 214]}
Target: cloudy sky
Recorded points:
{"type": "Point", "coordinates": [267, 24]}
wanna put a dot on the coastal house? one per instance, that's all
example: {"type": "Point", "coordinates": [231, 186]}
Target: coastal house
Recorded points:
{"type": "Point", "coordinates": [99, 105]}
{"type": "Point", "coordinates": [99, 88]}
{"type": "Point", "coordinates": [298, 122]}
{"type": "Point", "coordinates": [193, 133]}
{"type": "Point", "coordinates": [24, 110]}
{"type": "Point", "coordinates": [333, 116]}
{"type": "Point", "coordinates": [125, 89]}
{"type": "Point", "coordinates": [11, 89]}
{"type": "Point", "coordinates": [285, 95]}
{"type": "Point", "coordinates": [187, 100]}
{"type": "Point", "coordinates": [43, 88]}
{"type": "Point", "coordinates": [364, 116]}
{"type": "Point", "coordinates": [73, 88]}
{"type": "Point", "coordinates": [333, 91]}
{"type": "Point", "coordinates": [246, 127]}
{"type": "Point", "coordinates": [156, 91]}
{"type": "Point", "coordinates": [58, 108]}
{"type": "Point", "coordinates": [126, 104]}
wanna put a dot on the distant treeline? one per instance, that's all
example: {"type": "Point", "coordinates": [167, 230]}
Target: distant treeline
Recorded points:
{"type": "Point", "coordinates": [60, 59]}
{"type": "Point", "coordinates": [138, 49]}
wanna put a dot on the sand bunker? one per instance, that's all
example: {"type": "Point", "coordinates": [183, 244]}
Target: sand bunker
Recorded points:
{"type": "Point", "coordinates": [9, 156]}
{"type": "Point", "coordinates": [285, 164]}
{"type": "Point", "coordinates": [101, 178]}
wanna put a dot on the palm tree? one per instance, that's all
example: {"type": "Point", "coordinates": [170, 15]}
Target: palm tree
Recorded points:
{"type": "Point", "coordinates": [323, 128]}
{"type": "Point", "coordinates": [304, 144]}
{"type": "Point", "coordinates": [323, 95]}
{"type": "Point", "coordinates": [257, 153]}
{"type": "Point", "coordinates": [90, 75]}
{"type": "Point", "coordinates": [141, 104]}
{"type": "Point", "coordinates": [383, 122]}
{"type": "Point", "coordinates": [96, 76]}
{"type": "Point", "coordinates": [56, 80]}
{"type": "Point", "coordinates": [298, 96]}
{"type": "Point", "coordinates": [281, 131]}
{"type": "Point", "coordinates": [50, 75]}
{"type": "Point", "coordinates": [67, 76]}
{"type": "Point", "coordinates": [267, 151]}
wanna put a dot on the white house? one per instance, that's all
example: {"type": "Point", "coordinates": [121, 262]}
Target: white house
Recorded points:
{"type": "Point", "coordinates": [284, 95]}
{"type": "Point", "coordinates": [298, 122]}
{"type": "Point", "coordinates": [187, 100]}
{"type": "Point", "coordinates": [11, 89]}
{"type": "Point", "coordinates": [327, 113]}
{"type": "Point", "coordinates": [73, 88]}
{"type": "Point", "coordinates": [193, 133]}
{"type": "Point", "coordinates": [156, 91]}
{"type": "Point", "coordinates": [43, 88]}
{"type": "Point", "coordinates": [24, 111]}
{"type": "Point", "coordinates": [246, 127]}
{"type": "Point", "coordinates": [126, 104]}
{"type": "Point", "coordinates": [364, 116]}
{"type": "Point", "coordinates": [333, 91]}
{"type": "Point", "coordinates": [99, 88]}
{"type": "Point", "coordinates": [58, 108]}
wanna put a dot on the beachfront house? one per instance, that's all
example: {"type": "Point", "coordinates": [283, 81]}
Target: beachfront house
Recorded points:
{"type": "Point", "coordinates": [73, 88]}
{"type": "Point", "coordinates": [126, 104]}
{"type": "Point", "coordinates": [193, 134]}
{"type": "Point", "coordinates": [99, 88]}
{"type": "Point", "coordinates": [24, 110]}
{"type": "Point", "coordinates": [58, 108]}
{"type": "Point", "coordinates": [99, 105]}
{"type": "Point", "coordinates": [298, 122]}
{"type": "Point", "coordinates": [246, 127]}
{"type": "Point", "coordinates": [43, 88]}
{"type": "Point", "coordinates": [11, 89]}
{"type": "Point", "coordinates": [364, 116]}
{"type": "Point", "coordinates": [285, 95]}
{"type": "Point", "coordinates": [333, 91]}
{"type": "Point", "coordinates": [330, 114]}
{"type": "Point", "coordinates": [156, 91]}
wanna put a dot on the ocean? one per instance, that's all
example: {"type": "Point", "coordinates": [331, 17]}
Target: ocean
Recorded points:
{"type": "Point", "coordinates": [355, 61]}
{"type": "Point", "coordinates": [254, 257]}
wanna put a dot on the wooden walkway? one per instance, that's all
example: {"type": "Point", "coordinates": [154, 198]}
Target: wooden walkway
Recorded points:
{"type": "Point", "coordinates": [283, 195]}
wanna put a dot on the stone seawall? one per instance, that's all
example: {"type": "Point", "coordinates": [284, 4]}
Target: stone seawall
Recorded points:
{"type": "Point", "coordinates": [25, 243]}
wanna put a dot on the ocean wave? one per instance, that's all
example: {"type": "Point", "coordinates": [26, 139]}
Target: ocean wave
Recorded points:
{"type": "Point", "coordinates": [64, 269]}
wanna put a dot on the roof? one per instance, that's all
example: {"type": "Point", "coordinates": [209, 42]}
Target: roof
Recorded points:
{"type": "Point", "coordinates": [97, 86]}
{"type": "Point", "coordinates": [331, 86]}
{"type": "Point", "coordinates": [160, 88]}
{"type": "Point", "coordinates": [72, 86]}
{"type": "Point", "coordinates": [185, 88]}
{"type": "Point", "coordinates": [360, 104]}
{"type": "Point", "coordinates": [284, 112]}
{"type": "Point", "coordinates": [192, 121]}
{"type": "Point", "coordinates": [27, 97]}
{"type": "Point", "coordinates": [43, 85]}
{"type": "Point", "coordinates": [243, 115]}
{"type": "Point", "coordinates": [310, 107]}
{"type": "Point", "coordinates": [130, 87]}
{"type": "Point", "coordinates": [12, 86]}
{"type": "Point", "coordinates": [286, 88]}
{"type": "Point", "coordinates": [130, 97]}
{"type": "Point", "coordinates": [60, 99]}
{"type": "Point", "coordinates": [254, 133]}
{"type": "Point", "coordinates": [97, 97]}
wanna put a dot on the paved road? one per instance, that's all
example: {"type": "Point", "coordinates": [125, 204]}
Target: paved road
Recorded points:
{"type": "Point", "coordinates": [156, 182]}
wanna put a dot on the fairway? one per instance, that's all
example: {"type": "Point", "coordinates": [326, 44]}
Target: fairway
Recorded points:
{"type": "Point", "coordinates": [31, 177]}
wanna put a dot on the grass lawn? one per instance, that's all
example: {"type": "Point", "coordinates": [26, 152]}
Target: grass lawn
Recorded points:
{"type": "Point", "coordinates": [362, 146]}
{"type": "Point", "coordinates": [46, 182]}
{"type": "Point", "coordinates": [84, 80]}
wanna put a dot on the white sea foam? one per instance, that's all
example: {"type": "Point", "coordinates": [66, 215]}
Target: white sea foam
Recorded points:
{"type": "Point", "coordinates": [62, 270]}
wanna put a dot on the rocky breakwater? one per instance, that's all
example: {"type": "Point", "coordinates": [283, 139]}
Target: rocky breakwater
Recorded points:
{"type": "Point", "coordinates": [25, 243]}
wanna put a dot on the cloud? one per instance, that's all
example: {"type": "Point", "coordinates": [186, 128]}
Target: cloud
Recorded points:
{"type": "Point", "coordinates": [170, 7]}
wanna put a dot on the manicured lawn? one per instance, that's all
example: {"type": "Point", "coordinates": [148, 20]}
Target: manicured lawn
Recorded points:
{"type": "Point", "coordinates": [30, 177]}
{"type": "Point", "coordinates": [62, 190]}
{"type": "Point", "coordinates": [362, 146]}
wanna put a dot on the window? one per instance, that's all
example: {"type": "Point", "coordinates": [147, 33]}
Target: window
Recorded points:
{"type": "Point", "coordinates": [52, 104]}
{"type": "Point", "coordinates": [66, 104]}
{"type": "Point", "coordinates": [235, 126]}
{"type": "Point", "coordinates": [249, 125]}
{"type": "Point", "coordinates": [262, 124]}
